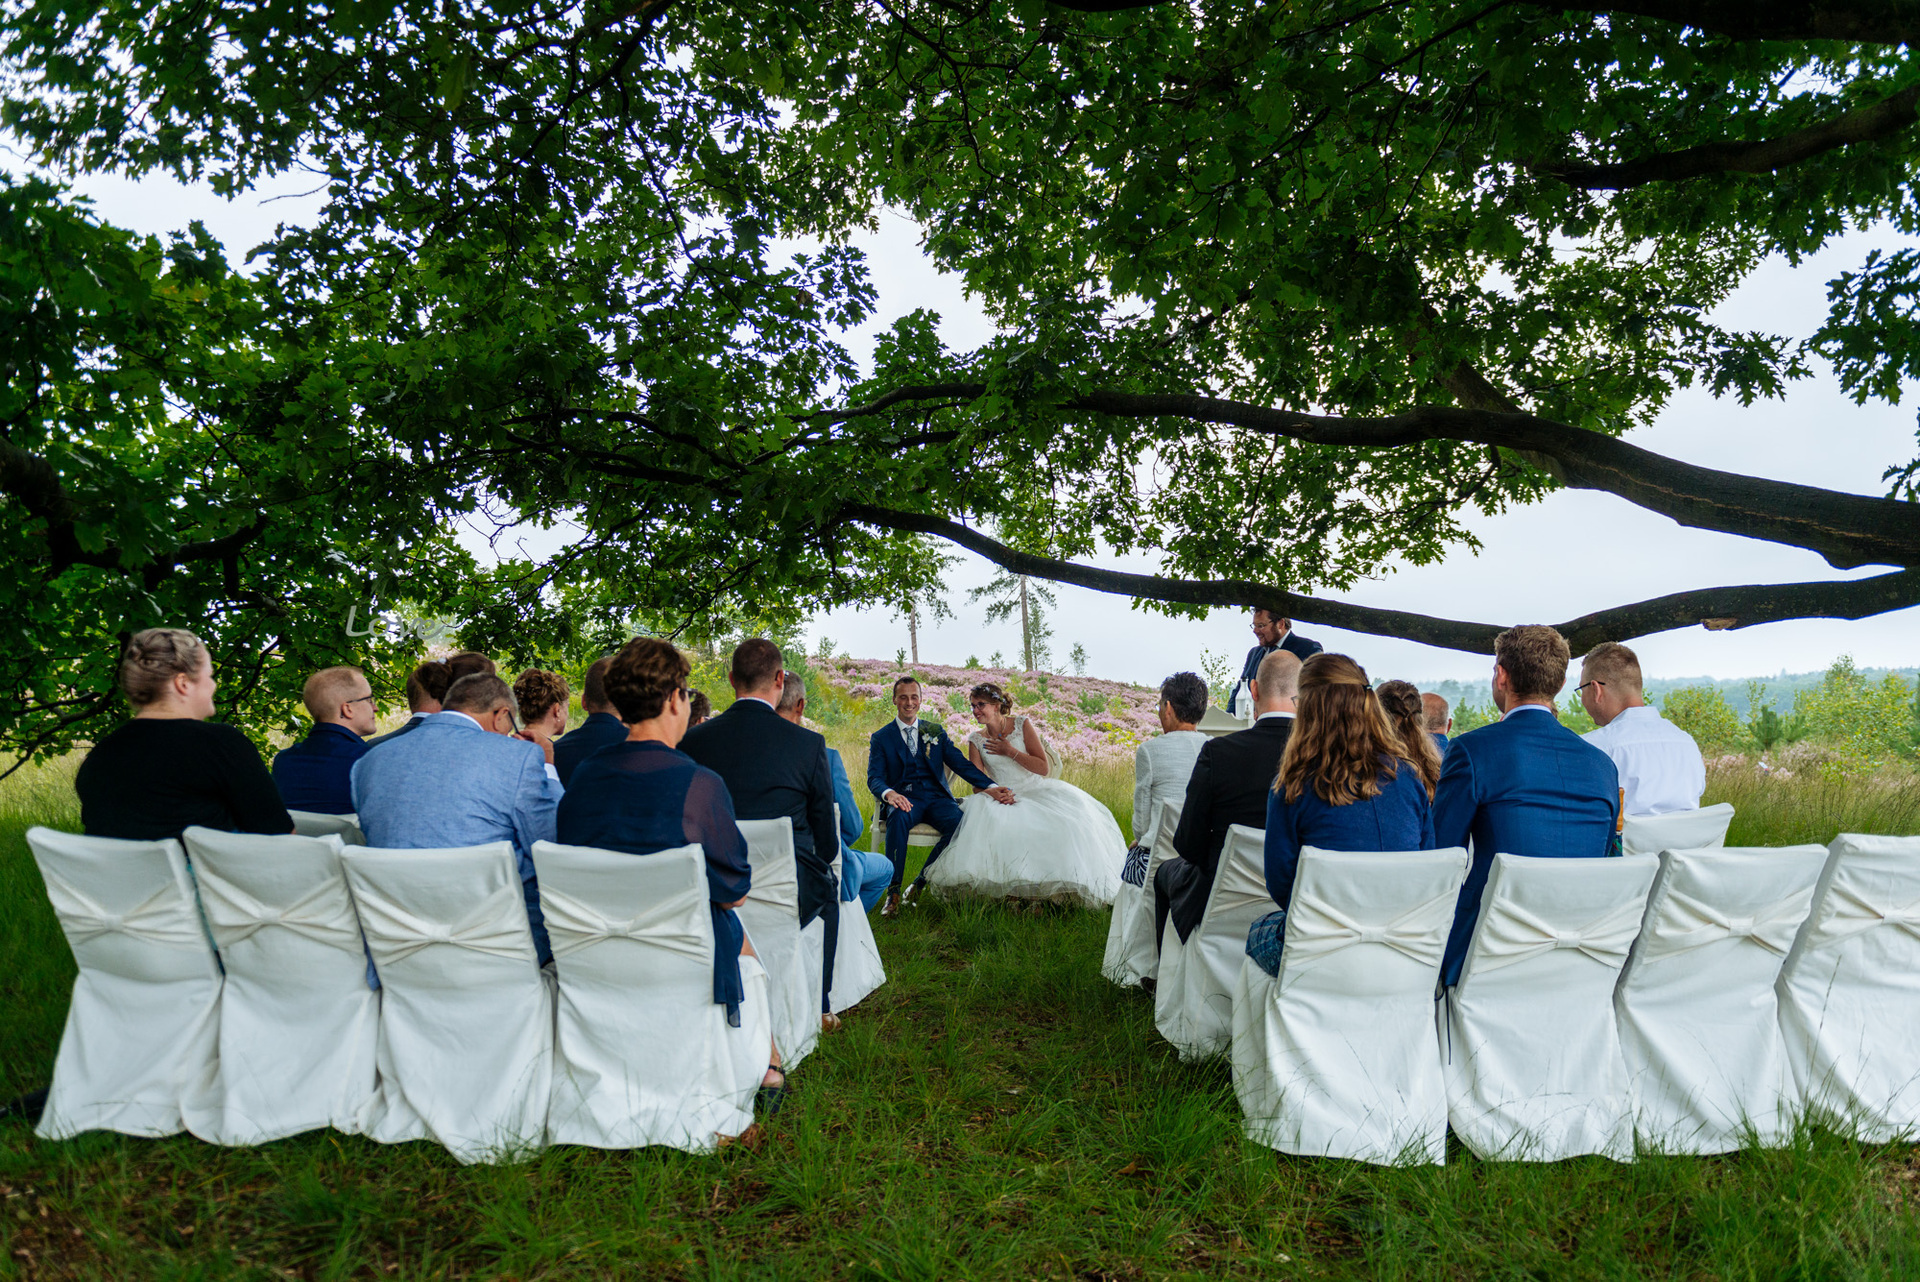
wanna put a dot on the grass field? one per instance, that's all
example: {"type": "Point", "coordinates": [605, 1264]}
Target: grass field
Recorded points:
{"type": "Point", "coordinates": [996, 1110]}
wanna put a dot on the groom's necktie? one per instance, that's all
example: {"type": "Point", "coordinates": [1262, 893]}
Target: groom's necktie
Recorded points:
{"type": "Point", "coordinates": [912, 736]}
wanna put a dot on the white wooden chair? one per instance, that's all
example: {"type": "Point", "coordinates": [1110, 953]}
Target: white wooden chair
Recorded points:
{"type": "Point", "coordinates": [307, 823]}
{"type": "Point", "coordinates": [1336, 1057]}
{"type": "Point", "coordinates": [299, 1025]}
{"type": "Point", "coordinates": [1699, 1024]}
{"type": "Point", "coordinates": [1193, 996]}
{"type": "Point", "coordinates": [466, 1010]}
{"type": "Point", "coordinates": [1850, 990]}
{"type": "Point", "coordinates": [771, 916]}
{"type": "Point", "coordinates": [642, 1053]}
{"type": "Point", "coordinates": [140, 1047]}
{"type": "Point", "coordinates": [1131, 956]}
{"type": "Point", "coordinates": [1532, 1056]}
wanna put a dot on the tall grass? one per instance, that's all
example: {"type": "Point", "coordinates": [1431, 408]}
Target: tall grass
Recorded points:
{"type": "Point", "coordinates": [995, 1111]}
{"type": "Point", "coordinates": [1812, 806]}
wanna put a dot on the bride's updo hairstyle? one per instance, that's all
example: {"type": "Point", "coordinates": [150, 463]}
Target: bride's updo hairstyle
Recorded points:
{"type": "Point", "coordinates": [1341, 741]}
{"type": "Point", "coordinates": [992, 694]}
{"type": "Point", "coordinates": [1401, 700]}
{"type": "Point", "coordinates": [152, 660]}
{"type": "Point", "coordinates": [643, 676]}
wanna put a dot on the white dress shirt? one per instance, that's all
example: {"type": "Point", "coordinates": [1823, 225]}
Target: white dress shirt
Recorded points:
{"type": "Point", "coordinates": [1660, 764]}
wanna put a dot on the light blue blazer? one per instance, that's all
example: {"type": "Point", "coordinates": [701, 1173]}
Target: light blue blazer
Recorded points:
{"type": "Point", "coordinates": [450, 783]}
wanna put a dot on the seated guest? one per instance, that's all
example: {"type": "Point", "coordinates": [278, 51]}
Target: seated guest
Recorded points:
{"type": "Point", "coordinates": [170, 768]}
{"type": "Point", "coordinates": [863, 874]}
{"type": "Point", "coordinates": [1347, 782]}
{"type": "Point", "coordinates": [601, 729]}
{"type": "Point", "coordinates": [1659, 763]}
{"type": "Point", "coordinates": [542, 697]}
{"type": "Point", "coordinates": [464, 777]}
{"type": "Point", "coordinates": [641, 796]}
{"type": "Point", "coordinates": [774, 768]}
{"type": "Point", "coordinates": [1163, 764]}
{"type": "Point", "coordinates": [1525, 784]}
{"type": "Point", "coordinates": [701, 710]}
{"type": "Point", "coordinates": [1439, 720]}
{"type": "Point", "coordinates": [1407, 714]}
{"type": "Point", "coordinates": [467, 663]}
{"type": "Point", "coordinates": [426, 686]}
{"type": "Point", "coordinates": [312, 774]}
{"type": "Point", "coordinates": [1231, 779]}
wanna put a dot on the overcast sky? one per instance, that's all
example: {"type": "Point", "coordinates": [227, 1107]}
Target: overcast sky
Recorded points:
{"type": "Point", "coordinates": [1574, 553]}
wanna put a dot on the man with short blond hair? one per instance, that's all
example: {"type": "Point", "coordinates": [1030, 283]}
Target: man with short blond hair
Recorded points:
{"type": "Point", "coordinates": [1660, 765]}
{"type": "Point", "coordinates": [1525, 784]}
{"type": "Point", "coordinates": [313, 774]}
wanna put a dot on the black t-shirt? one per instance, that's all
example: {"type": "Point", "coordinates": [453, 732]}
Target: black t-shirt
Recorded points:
{"type": "Point", "coordinates": [155, 776]}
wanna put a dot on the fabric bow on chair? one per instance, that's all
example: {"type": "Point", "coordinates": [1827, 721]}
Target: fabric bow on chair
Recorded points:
{"type": "Point", "coordinates": [1848, 914]}
{"type": "Point", "coordinates": [161, 918]}
{"type": "Point", "coordinates": [492, 927]}
{"type": "Point", "coordinates": [1512, 934]}
{"type": "Point", "coordinates": [1696, 924]}
{"type": "Point", "coordinates": [573, 924]}
{"type": "Point", "coordinates": [322, 914]}
{"type": "Point", "coordinates": [1319, 930]}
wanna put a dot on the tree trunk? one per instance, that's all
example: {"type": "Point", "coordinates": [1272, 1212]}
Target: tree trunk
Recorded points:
{"type": "Point", "coordinates": [913, 633]}
{"type": "Point", "coordinates": [1026, 628]}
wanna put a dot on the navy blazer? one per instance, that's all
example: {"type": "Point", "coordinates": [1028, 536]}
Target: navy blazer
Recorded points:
{"type": "Point", "coordinates": [1293, 643]}
{"type": "Point", "coordinates": [599, 730]}
{"type": "Point", "coordinates": [773, 767]}
{"type": "Point", "coordinates": [1525, 785]}
{"type": "Point", "coordinates": [312, 774]}
{"type": "Point", "coordinates": [887, 760]}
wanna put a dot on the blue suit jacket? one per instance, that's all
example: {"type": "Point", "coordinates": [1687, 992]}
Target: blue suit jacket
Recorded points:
{"type": "Point", "coordinates": [450, 783]}
{"type": "Point", "coordinates": [1525, 785]}
{"type": "Point", "coordinates": [598, 731]}
{"type": "Point", "coordinates": [1440, 742]}
{"type": "Point", "coordinates": [312, 774]}
{"type": "Point", "coordinates": [851, 825]}
{"type": "Point", "coordinates": [1293, 643]}
{"type": "Point", "coordinates": [887, 760]}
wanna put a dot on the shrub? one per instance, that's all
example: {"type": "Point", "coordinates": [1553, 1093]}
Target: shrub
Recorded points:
{"type": "Point", "coordinates": [1864, 723]}
{"type": "Point", "coordinates": [1703, 712]}
{"type": "Point", "coordinates": [1092, 702]}
{"type": "Point", "coordinates": [1470, 717]}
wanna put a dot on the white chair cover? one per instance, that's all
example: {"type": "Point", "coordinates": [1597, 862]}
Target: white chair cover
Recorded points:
{"type": "Point", "coordinates": [1193, 997]}
{"type": "Point", "coordinates": [1850, 990]}
{"type": "Point", "coordinates": [642, 1054]}
{"type": "Point", "coordinates": [1336, 1057]}
{"type": "Point", "coordinates": [299, 1028]}
{"type": "Point", "coordinates": [466, 1011]}
{"type": "Point", "coordinates": [857, 969]}
{"type": "Point", "coordinates": [139, 1048]}
{"type": "Point", "coordinates": [346, 827]}
{"type": "Point", "coordinates": [1698, 1021]}
{"type": "Point", "coordinates": [1131, 956]}
{"type": "Point", "coordinates": [771, 916]}
{"type": "Point", "coordinates": [1533, 1064]}
{"type": "Point", "coordinates": [1679, 830]}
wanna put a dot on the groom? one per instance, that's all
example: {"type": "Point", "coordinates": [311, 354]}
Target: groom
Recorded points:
{"type": "Point", "coordinates": [907, 762]}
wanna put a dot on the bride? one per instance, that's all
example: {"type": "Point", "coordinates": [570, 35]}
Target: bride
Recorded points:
{"type": "Point", "coordinates": [1055, 842]}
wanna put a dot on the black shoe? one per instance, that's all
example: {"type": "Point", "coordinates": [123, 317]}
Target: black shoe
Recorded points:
{"type": "Point", "coordinates": [912, 896]}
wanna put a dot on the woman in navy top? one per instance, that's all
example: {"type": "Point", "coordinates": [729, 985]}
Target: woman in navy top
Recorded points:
{"type": "Point", "coordinates": [1346, 782]}
{"type": "Point", "coordinates": [642, 796]}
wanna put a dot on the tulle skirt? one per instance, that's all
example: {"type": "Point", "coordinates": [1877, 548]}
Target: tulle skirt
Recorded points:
{"type": "Point", "coordinates": [1054, 842]}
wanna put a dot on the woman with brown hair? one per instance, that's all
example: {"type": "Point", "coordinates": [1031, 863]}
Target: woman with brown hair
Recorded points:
{"type": "Point", "coordinates": [171, 767]}
{"type": "Point", "coordinates": [1054, 842]}
{"type": "Point", "coordinates": [644, 795]}
{"type": "Point", "coordinates": [1407, 714]}
{"type": "Point", "coordinates": [1345, 783]}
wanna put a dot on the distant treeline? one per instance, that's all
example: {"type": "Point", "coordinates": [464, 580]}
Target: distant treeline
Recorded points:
{"type": "Point", "coordinates": [1780, 690]}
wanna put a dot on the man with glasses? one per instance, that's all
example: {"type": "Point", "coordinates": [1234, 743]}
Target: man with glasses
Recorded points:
{"type": "Point", "coordinates": [467, 776]}
{"type": "Point", "coordinates": [1273, 634]}
{"type": "Point", "coordinates": [1661, 769]}
{"type": "Point", "coordinates": [312, 774]}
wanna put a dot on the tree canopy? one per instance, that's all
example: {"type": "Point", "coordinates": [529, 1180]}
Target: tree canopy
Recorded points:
{"type": "Point", "coordinates": [1283, 291]}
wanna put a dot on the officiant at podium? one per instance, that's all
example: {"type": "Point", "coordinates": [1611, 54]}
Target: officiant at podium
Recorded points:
{"type": "Point", "coordinates": [1273, 634]}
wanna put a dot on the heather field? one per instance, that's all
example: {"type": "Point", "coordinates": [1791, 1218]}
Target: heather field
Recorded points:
{"type": "Point", "coordinates": [997, 1110]}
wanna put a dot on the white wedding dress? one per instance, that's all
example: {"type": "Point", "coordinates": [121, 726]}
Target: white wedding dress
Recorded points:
{"type": "Point", "coordinates": [1054, 841]}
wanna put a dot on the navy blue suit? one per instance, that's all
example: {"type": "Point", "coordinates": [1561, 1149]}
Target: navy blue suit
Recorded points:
{"type": "Point", "coordinates": [922, 781]}
{"type": "Point", "coordinates": [312, 775]}
{"type": "Point", "coordinates": [599, 730]}
{"type": "Point", "coordinates": [1525, 785]}
{"type": "Point", "coordinates": [1293, 643]}
{"type": "Point", "coordinates": [1440, 742]}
